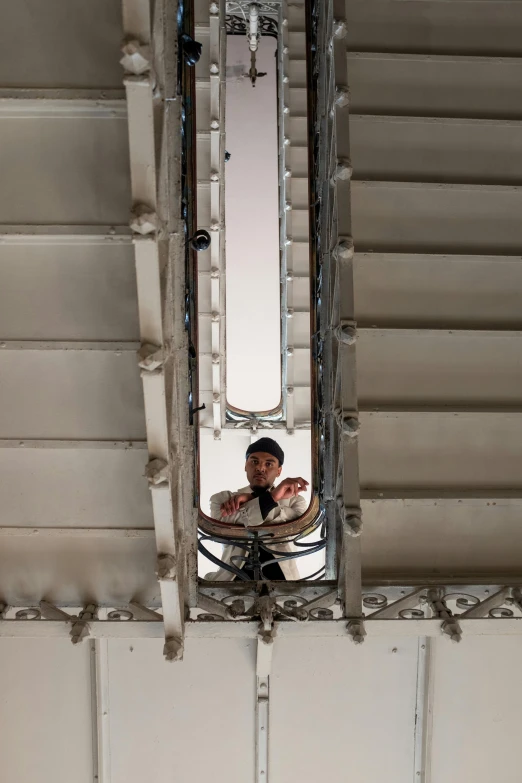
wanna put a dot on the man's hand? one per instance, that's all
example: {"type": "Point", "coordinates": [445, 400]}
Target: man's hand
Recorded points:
{"type": "Point", "coordinates": [289, 488]}
{"type": "Point", "coordinates": [234, 504]}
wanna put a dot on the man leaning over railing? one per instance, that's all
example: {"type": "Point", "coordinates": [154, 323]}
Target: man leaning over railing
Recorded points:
{"type": "Point", "coordinates": [260, 502]}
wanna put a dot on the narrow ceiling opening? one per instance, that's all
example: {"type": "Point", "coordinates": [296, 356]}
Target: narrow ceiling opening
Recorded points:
{"type": "Point", "coordinates": [253, 289]}
{"type": "Point", "coordinates": [253, 269]}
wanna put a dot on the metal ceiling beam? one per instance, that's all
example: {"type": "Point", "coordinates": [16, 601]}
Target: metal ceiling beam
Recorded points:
{"type": "Point", "coordinates": [60, 533]}
{"type": "Point", "coordinates": [150, 57]}
{"type": "Point", "coordinates": [44, 443]}
{"type": "Point", "coordinates": [65, 234]}
{"type": "Point", "coordinates": [312, 629]}
{"type": "Point", "coordinates": [339, 297]}
{"type": "Point", "coordinates": [74, 105]}
{"type": "Point", "coordinates": [98, 95]}
{"type": "Point", "coordinates": [69, 345]}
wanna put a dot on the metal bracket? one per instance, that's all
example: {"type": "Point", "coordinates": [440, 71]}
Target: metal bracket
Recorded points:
{"type": "Point", "coordinates": [265, 606]}
{"type": "Point", "coordinates": [346, 332]}
{"type": "Point", "coordinates": [173, 648]}
{"type": "Point", "coordinates": [356, 630]}
{"type": "Point", "coordinates": [166, 567]}
{"type": "Point", "coordinates": [450, 625]}
{"type": "Point", "coordinates": [157, 472]}
{"type": "Point", "coordinates": [143, 220]}
{"type": "Point", "coordinates": [151, 358]}
{"type": "Point", "coordinates": [136, 57]}
{"type": "Point", "coordinates": [80, 627]}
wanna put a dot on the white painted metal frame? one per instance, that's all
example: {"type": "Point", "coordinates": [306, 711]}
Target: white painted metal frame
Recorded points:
{"type": "Point", "coordinates": [99, 649]}
{"type": "Point", "coordinates": [343, 491]}
{"type": "Point", "coordinates": [423, 713]}
{"type": "Point", "coordinates": [73, 104]}
{"type": "Point", "coordinates": [153, 629]}
{"type": "Point", "coordinates": [306, 609]}
{"type": "Point", "coordinates": [263, 667]}
{"type": "Point", "coordinates": [217, 54]}
{"type": "Point", "coordinates": [149, 57]}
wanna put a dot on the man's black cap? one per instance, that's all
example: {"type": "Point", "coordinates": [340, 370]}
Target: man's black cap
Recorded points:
{"type": "Point", "coordinates": [269, 446]}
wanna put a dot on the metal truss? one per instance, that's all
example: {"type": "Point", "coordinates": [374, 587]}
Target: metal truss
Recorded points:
{"type": "Point", "coordinates": [305, 609]}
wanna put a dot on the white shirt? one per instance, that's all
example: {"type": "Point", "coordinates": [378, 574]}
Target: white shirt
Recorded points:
{"type": "Point", "coordinates": [250, 515]}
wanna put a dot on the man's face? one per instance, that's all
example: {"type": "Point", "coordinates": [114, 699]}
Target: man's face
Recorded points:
{"type": "Point", "coordinates": [262, 470]}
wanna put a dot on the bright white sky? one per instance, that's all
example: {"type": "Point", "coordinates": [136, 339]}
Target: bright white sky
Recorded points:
{"type": "Point", "coordinates": [253, 307]}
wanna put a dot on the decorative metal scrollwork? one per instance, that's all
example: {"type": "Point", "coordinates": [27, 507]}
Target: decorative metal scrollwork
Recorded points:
{"type": "Point", "coordinates": [28, 614]}
{"type": "Point", "coordinates": [412, 614]}
{"type": "Point", "coordinates": [463, 600]}
{"type": "Point", "coordinates": [120, 614]}
{"type": "Point", "coordinates": [501, 612]}
{"type": "Point", "coordinates": [293, 607]}
{"type": "Point", "coordinates": [320, 613]}
{"type": "Point", "coordinates": [375, 601]}
{"type": "Point", "coordinates": [237, 25]}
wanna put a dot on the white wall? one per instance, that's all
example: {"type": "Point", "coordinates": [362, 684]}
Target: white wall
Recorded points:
{"type": "Point", "coordinates": [338, 712]}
